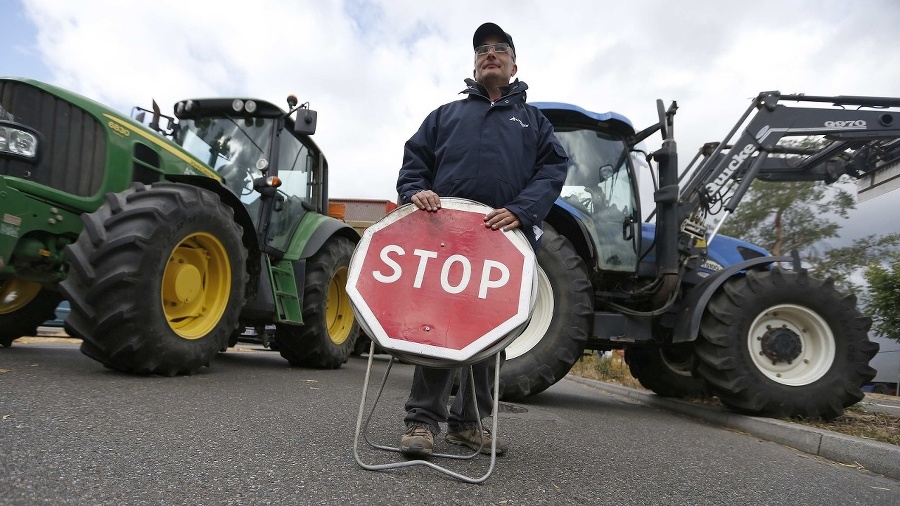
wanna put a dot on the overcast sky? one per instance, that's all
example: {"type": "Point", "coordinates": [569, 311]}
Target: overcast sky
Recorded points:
{"type": "Point", "coordinates": [374, 69]}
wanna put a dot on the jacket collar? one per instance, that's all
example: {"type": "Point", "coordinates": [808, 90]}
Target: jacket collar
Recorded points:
{"type": "Point", "coordinates": [474, 88]}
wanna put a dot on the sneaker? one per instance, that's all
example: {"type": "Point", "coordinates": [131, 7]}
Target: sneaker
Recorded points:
{"type": "Point", "coordinates": [417, 440]}
{"type": "Point", "coordinates": [470, 437]}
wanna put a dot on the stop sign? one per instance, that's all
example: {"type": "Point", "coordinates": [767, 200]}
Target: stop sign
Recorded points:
{"type": "Point", "coordinates": [441, 284]}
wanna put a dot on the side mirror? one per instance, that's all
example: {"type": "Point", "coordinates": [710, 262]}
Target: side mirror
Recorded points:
{"type": "Point", "coordinates": [305, 122]}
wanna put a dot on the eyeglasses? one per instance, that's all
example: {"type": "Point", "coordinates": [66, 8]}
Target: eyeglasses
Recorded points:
{"type": "Point", "coordinates": [500, 47]}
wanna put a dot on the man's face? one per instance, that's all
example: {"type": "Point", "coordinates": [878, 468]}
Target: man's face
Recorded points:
{"type": "Point", "coordinates": [493, 68]}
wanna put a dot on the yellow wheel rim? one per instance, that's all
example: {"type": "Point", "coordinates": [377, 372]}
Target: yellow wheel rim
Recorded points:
{"type": "Point", "coordinates": [15, 294]}
{"type": "Point", "coordinates": [196, 285]}
{"type": "Point", "coordinates": [338, 314]}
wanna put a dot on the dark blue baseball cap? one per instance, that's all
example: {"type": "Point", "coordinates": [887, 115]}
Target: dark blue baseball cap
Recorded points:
{"type": "Point", "coordinates": [488, 29]}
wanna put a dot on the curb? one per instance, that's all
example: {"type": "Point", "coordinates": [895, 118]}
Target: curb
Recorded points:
{"type": "Point", "coordinates": [874, 456]}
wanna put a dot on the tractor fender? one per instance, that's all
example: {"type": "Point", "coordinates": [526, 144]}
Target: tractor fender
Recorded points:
{"type": "Point", "coordinates": [327, 228]}
{"type": "Point", "coordinates": [564, 219]}
{"type": "Point", "coordinates": [305, 245]}
{"type": "Point", "coordinates": [688, 322]}
{"type": "Point", "coordinates": [241, 216]}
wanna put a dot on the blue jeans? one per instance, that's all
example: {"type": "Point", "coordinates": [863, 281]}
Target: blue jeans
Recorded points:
{"type": "Point", "coordinates": [430, 392]}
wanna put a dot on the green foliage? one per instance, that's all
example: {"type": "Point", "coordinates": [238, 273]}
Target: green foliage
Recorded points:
{"type": "Point", "coordinates": [884, 298]}
{"type": "Point", "coordinates": [783, 216]}
{"type": "Point", "coordinates": [841, 263]}
{"type": "Point", "coordinates": [610, 368]}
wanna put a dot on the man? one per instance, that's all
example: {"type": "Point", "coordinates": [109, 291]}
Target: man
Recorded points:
{"type": "Point", "coordinates": [493, 148]}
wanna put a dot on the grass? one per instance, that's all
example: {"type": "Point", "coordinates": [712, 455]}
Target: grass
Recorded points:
{"type": "Point", "coordinates": [857, 422]}
{"type": "Point", "coordinates": [854, 422]}
{"type": "Point", "coordinates": [609, 369]}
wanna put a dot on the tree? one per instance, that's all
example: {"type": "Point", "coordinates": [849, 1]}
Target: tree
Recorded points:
{"type": "Point", "coordinates": [793, 215]}
{"type": "Point", "coordinates": [866, 252]}
{"type": "Point", "coordinates": [784, 216]}
{"type": "Point", "coordinates": [884, 298]}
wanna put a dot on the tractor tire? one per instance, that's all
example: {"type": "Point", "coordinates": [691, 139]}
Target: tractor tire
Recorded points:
{"type": "Point", "coordinates": [362, 345]}
{"type": "Point", "coordinates": [784, 344]}
{"type": "Point", "coordinates": [329, 331]}
{"type": "Point", "coordinates": [157, 279]}
{"type": "Point", "coordinates": [666, 370]}
{"type": "Point", "coordinates": [562, 320]}
{"type": "Point", "coordinates": [23, 306]}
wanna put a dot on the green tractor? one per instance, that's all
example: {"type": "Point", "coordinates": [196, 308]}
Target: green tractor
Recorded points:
{"type": "Point", "coordinates": [169, 239]}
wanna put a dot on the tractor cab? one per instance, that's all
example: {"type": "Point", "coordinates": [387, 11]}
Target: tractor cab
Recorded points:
{"type": "Point", "coordinates": [276, 172]}
{"type": "Point", "coordinates": [600, 188]}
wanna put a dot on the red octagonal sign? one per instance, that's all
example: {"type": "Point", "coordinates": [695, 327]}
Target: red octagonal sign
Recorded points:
{"type": "Point", "coordinates": [441, 284]}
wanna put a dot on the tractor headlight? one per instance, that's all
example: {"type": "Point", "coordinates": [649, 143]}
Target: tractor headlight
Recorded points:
{"type": "Point", "coordinates": [19, 141]}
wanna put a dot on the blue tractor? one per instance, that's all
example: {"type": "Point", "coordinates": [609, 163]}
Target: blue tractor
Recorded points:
{"type": "Point", "coordinates": [698, 313]}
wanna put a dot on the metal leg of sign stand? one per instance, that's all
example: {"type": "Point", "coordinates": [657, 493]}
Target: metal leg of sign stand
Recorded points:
{"type": "Point", "coordinates": [363, 425]}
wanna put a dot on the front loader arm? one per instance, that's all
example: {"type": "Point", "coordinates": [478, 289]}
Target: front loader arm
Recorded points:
{"type": "Point", "coordinates": [855, 142]}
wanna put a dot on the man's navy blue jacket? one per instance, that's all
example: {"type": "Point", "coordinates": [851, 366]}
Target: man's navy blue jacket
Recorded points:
{"type": "Point", "coordinates": [502, 154]}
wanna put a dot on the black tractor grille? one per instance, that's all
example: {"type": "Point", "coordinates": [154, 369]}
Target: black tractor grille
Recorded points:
{"type": "Point", "coordinates": [73, 152]}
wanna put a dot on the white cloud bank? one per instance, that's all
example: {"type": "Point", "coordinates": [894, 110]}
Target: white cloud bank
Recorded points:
{"type": "Point", "coordinates": [373, 70]}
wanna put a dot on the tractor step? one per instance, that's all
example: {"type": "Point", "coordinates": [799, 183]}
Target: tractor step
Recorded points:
{"type": "Point", "coordinates": [284, 288]}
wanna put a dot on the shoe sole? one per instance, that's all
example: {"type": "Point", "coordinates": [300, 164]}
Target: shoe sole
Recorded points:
{"type": "Point", "coordinates": [416, 451]}
{"type": "Point", "coordinates": [486, 449]}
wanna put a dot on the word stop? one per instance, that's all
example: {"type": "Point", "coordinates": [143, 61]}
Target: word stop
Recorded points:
{"type": "Point", "coordinates": [494, 274]}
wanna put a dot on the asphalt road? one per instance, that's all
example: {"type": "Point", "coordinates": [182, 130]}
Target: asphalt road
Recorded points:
{"type": "Point", "coordinates": [253, 430]}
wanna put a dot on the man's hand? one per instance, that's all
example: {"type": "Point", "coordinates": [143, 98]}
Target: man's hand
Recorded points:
{"type": "Point", "coordinates": [503, 219]}
{"type": "Point", "coordinates": [426, 200]}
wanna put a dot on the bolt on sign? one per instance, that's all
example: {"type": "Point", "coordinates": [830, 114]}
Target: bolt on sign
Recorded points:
{"type": "Point", "coordinates": [441, 284]}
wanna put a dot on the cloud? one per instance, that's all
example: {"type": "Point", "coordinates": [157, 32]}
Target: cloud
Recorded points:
{"type": "Point", "coordinates": [374, 69]}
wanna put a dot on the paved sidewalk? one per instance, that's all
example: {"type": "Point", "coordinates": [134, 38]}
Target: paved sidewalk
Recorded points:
{"type": "Point", "coordinates": [875, 456]}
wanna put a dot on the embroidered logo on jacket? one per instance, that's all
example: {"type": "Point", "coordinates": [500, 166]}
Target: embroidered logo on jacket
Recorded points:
{"type": "Point", "coordinates": [524, 125]}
